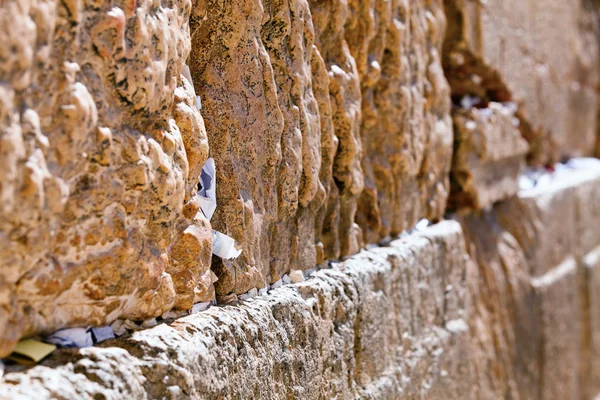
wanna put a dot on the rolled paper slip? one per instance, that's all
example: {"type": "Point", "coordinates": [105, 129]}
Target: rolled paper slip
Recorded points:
{"type": "Point", "coordinates": [30, 352]}
{"type": "Point", "coordinates": [207, 189]}
{"type": "Point", "coordinates": [224, 246]}
{"type": "Point", "coordinates": [100, 334]}
{"type": "Point", "coordinates": [71, 338]}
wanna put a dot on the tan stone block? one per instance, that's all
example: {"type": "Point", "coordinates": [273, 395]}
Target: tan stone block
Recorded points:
{"type": "Point", "coordinates": [543, 220]}
{"type": "Point", "coordinates": [557, 297]}
{"type": "Point", "coordinates": [347, 332]}
{"type": "Point", "coordinates": [591, 344]}
{"type": "Point", "coordinates": [405, 128]}
{"type": "Point", "coordinates": [100, 148]}
{"type": "Point", "coordinates": [542, 54]}
{"type": "Point", "coordinates": [488, 157]}
{"type": "Point", "coordinates": [503, 319]}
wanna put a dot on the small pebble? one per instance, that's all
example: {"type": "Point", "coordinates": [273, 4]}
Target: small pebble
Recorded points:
{"type": "Point", "coordinates": [296, 276]}
{"type": "Point", "coordinates": [253, 292]}
{"type": "Point", "coordinates": [149, 323]}
{"type": "Point", "coordinates": [277, 284]}
{"type": "Point", "coordinates": [286, 279]}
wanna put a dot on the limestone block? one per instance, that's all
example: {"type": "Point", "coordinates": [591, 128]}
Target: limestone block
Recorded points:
{"type": "Point", "coordinates": [543, 54]}
{"type": "Point", "coordinates": [557, 297]}
{"type": "Point", "coordinates": [488, 157]}
{"type": "Point", "coordinates": [591, 342]}
{"type": "Point", "coordinates": [282, 98]}
{"type": "Point", "coordinates": [503, 318]}
{"type": "Point", "coordinates": [533, 295]}
{"type": "Point", "coordinates": [406, 128]}
{"type": "Point", "coordinates": [100, 148]}
{"type": "Point", "coordinates": [271, 135]}
{"type": "Point", "coordinates": [386, 324]}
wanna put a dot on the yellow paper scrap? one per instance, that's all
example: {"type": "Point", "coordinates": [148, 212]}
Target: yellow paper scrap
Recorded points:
{"type": "Point", "coordinates": [31, 351]}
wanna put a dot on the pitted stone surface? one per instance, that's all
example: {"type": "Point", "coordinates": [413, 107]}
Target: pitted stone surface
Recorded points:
{"type": "Point", "coordinates": [406, 129]}
{"type": "Point", "coordinates": [542, 54]}
{"type": "Point", "coordinates": [284, 86]}
{"type": "Point", "coordinates": [534, 319]}
{"type": "Point", "coordinates": [348, 332]}
{"type": "Point", "coordinates": [489, 155]}
{"type": "Point", "coordinates": [100, 150]}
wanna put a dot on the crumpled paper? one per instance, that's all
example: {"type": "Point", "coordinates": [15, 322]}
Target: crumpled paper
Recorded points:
{"type": "Point", "coordinates": [207, 189]}
{"type": "Point", "coordinates": [71, 338]}
{"type": "Point", "coordinates": [224, 246]}
{"type": "Point", "coordinates": [101, 333]}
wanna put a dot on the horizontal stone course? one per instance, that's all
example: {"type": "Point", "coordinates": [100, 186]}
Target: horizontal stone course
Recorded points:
{"type": "Point", "coordinates": [387, 323]}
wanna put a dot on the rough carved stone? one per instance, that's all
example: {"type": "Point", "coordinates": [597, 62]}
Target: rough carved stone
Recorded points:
{"type": "Point", "coordinates": [347, 332]}
{"type": "Point", "coordinates": [534, 315]}
{"type": "Point", "coordinates": [542, 54]}
{"type": "Point", "coordinates": [489, 154]}
{"type": "Point", "coordinates": [100, 150]}
{"type": "Point", "coordinates": [406, 129]}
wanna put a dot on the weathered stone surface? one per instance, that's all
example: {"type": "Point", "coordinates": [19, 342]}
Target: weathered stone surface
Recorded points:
{"type": "Point", "coordinates": [272, 135]}
{"type": "Point", "coordinates": [100, 149]}
{"type": "Point", "coordinates": [503, 319]}
{"type": "Point", "coordinates": [591, 323]}
{"type": "Point", "coordinates": [283, 99]}
{"type": "Point", "coordinates": [406, 129]}
{"type": "Point", "coordinates": [534, 301]}
{"type": "Point", "coordinates": [489, 154]}
{"type": "Point", "coordinates": [387, 323]}
{"type": "Point", "coordinates": [543, 54]}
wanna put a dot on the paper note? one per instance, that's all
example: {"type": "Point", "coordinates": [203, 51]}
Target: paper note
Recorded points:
{"type": "Point", "coordinates": [29, 351]}
{"type": "Point", "coordinates": [100, 334]}
{"type": "Point", "coordinates": [224, 246]}
{"type": "Point", "coordinates": [207, 189]}
{"type": "Point", "coordinates": [71, 338]}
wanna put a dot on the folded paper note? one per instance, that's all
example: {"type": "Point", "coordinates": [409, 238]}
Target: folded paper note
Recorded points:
{"type": "Point", "coordinates": [29, 351]}
{"type": "Point", "coordinates": [207, 189]}
{"type": "Point", "coordinates": [71, 337]}
{"type": "Point", "coordinates": [224, 246]}
{"type": "Point", "coordinates": [100, 334]}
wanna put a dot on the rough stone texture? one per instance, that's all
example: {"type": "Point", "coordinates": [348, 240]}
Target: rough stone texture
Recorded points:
{"type": "Point", "coordinates": [284, 85]}
{"type": "Point", "coordinates": [534, 301]}
{"type": "Point", "coordinates": [489, 154]}
{"type": "Point", "coordinates": [387, 323]}
{"type": "Point", "coordinates": [100, 151]}
{"type": "Point", "coordinates": [271, 134]}
{"type": "Point", "coordinates": [406, 128]}
{"type": "Point", "coordinates": [543, 54]}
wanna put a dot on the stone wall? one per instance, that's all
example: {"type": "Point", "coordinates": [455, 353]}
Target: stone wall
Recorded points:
{"type": "Point", "coordinates": [334, 125]}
